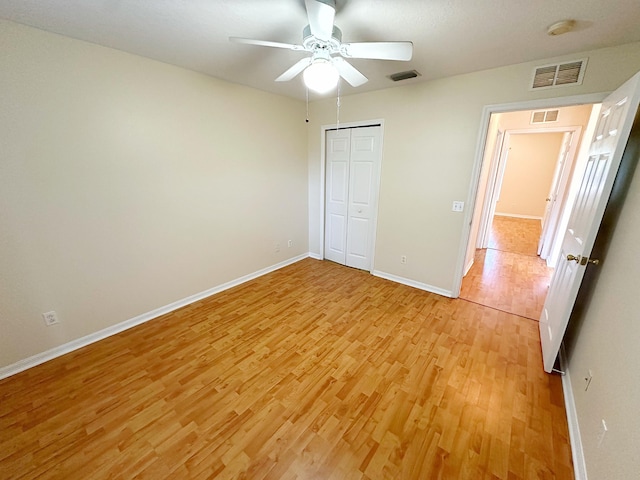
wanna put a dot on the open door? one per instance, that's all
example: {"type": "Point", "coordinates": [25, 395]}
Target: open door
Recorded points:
{"type": "Point", "coordinates": [496, 172]}
{"type": "Point", "coordinates": [605, 153]}
{"type": "Point", "coordinates": [554, 205]}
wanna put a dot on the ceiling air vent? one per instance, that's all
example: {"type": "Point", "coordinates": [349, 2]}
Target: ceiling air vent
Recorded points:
{"type": "Point", "coordinates": [396, 77]}
{"type": "Point", "coordinates": [544, 116]}
{"type": "Point", "coordinates": [557, 75]}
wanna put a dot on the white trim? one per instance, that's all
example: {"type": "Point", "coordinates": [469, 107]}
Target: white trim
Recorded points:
{"type": "Point", "coordinates": [55, 352]}
{"type": "Point", "coordinates": [517, 215]}
{"type": "Point", "coordinates": [488, 203]}
{"type": "Point", "coordinates": [577, 454]}
{"type": "Point", "coordinates": [468, 267]}
{"type": "Point", "coordinates": [323, 140]}
{"type": "Point", "coordinates": [315, 256]}
{"type": "Point", "coordinates": [487, 110]}
{"type": "Point", "coordinates": [412, 283]}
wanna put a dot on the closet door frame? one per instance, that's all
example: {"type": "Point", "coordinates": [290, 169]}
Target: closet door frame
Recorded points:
{"type": "Point", "coordinates": [376, 182]}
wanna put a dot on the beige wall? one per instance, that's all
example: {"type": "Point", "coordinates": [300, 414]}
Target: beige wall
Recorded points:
{"type": "Point", "coordinates": [430, 139]}
{"type": "Point", "coordinates": [127, 184]}
{"type": "Point", "coordinates": [528, 174]}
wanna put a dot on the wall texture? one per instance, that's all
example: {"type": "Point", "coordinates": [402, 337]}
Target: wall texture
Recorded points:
{"type": "Point", "coordinates": [528, 174]}
{"type": "Point", "coordinates": [127, 184]}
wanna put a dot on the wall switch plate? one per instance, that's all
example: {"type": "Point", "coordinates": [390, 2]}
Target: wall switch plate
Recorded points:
{"type": "Point", "coordinates": [458, 206]}
{"type": "Point", "coordinates": [50, 318]}
{"type": "Point", "coordinates": [290, 243]}
{"type": "Point", "coordinates": [277, 247]}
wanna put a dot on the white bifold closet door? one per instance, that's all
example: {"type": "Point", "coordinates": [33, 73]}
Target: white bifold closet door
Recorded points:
{"type": "Point", "coordinates": [353, 157]}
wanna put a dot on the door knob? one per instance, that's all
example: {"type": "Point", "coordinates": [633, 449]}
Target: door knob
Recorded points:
{"type": "Point", "coordinates": [582, 260]}
{"type": "Point", "coordinates": [586, 260]}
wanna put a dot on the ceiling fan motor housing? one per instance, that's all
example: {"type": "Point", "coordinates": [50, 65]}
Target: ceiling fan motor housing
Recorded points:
{"type": "Point", "coordinates": [323, 40]}
{"type": "Point", "coordinates": [312, 43]}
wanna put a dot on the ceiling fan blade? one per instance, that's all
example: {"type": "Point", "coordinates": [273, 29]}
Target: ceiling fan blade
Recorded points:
{"type": "Point", "coordinates": [378, 50]}
{"type": "Point", "coordinates": [349, 72]}
{"type": "Point", "coordinates": [294, 70]}
{"type": "Point", "coordinates": [265, 43]}
{"type": "Point", "coordinates": [321, 14]}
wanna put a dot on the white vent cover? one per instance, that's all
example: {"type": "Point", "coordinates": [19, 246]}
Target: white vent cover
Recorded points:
{"type": "Point", "coordinates": [545, 116]}
{"type": "Point", "coordinates": [558, 75]}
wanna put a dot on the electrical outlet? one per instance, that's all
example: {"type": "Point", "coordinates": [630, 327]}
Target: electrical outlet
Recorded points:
{"type": "Point", "coordinates": [458, 206]}
{"type": "Point", "coordinates": [290, 244]}
{"type": "Point", "coordinates": [277, 247]}
{"type": "Point", "coordinates": [403, 259]}
{"type": "Point", "coordinates": [587, 380]}
{"type": "Point", "coordinates": [50, 318]}
{"type": "Point", "coordinates": [603, 431]}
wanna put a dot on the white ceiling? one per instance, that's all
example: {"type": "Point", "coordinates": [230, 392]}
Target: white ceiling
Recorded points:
{"type": "Point", "coordinates": [450, 36]}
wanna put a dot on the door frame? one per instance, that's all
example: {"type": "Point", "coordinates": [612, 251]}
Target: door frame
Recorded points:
{"type": "Point", "coordinates": [323, 179]}
{"type": "Point", "coordinates": [558, 195]}
{"type": "Point", "coordinates": [498, 169]}
{"type": "Point", "coordinates": [481, 142]}
{"type": "Point", "coordinates": [488, 203]}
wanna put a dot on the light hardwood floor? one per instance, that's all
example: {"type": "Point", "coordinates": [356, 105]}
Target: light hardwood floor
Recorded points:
{"type": "Point", "coordinates": [509, 275]}
{"type": "Point", "coordinates": [315, 371]}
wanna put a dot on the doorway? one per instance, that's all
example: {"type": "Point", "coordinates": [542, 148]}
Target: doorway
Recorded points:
{"type": "Point", "coordinates": [352, 161]}
{"type": "Point", "coordinates": [519, 207]}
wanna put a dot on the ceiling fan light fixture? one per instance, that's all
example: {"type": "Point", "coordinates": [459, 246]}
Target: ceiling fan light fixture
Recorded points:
{"type": "Point", "coordinates": [321, 76]}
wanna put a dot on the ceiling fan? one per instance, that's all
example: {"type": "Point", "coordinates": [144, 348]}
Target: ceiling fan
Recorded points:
{"type": "Point", "coordinates": [323, 40]}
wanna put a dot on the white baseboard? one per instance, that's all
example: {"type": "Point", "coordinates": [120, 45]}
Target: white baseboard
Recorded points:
{"type": "Point", "coordinates": [516, 215]}
{"type": "Point", "coordinates": [55, 352]}
{"type": "Point", "coordinates": [413, 283]}
{"type": "Point", "coordinates": [577, 454]}
{"type": "Point", "coordinates": [315, 256]}
{"type": "Point", "coordinates": [468, 267]}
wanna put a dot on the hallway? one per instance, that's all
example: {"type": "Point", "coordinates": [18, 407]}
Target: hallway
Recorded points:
{"type": "Point", "coordinates": [509, 275]}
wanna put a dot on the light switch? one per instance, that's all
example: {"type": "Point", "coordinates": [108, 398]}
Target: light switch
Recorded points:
{"type": "Point", "coordinates": [458, 206]}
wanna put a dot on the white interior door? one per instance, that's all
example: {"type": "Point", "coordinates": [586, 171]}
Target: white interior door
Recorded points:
{"type": "Point", "coordinates": [489, 208]}
{"type": "Point", "coordinates": [496, 187]}
{"type": "Point", "coordinates": [363, 195]}
{"type": "Point", "coordinates": [605, 153]}
{"type": "Point", "coordinates": [338, 151]}
{"type": "Point", "coordinates": [553, 208]}
{"type": "Point", "coordinates": [353, 172]}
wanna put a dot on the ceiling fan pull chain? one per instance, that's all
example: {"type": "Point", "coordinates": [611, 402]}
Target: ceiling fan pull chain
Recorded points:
{"type": "Point", "coordinates": [338, 108]}
{"type": "Point", "coordinates": [307, 90]}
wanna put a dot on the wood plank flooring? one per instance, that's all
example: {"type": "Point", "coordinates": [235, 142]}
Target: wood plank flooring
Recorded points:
{"type": "Point", "coordinates": [315, 371]}
{"type": "Point", "coordinates": [509, 275]}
